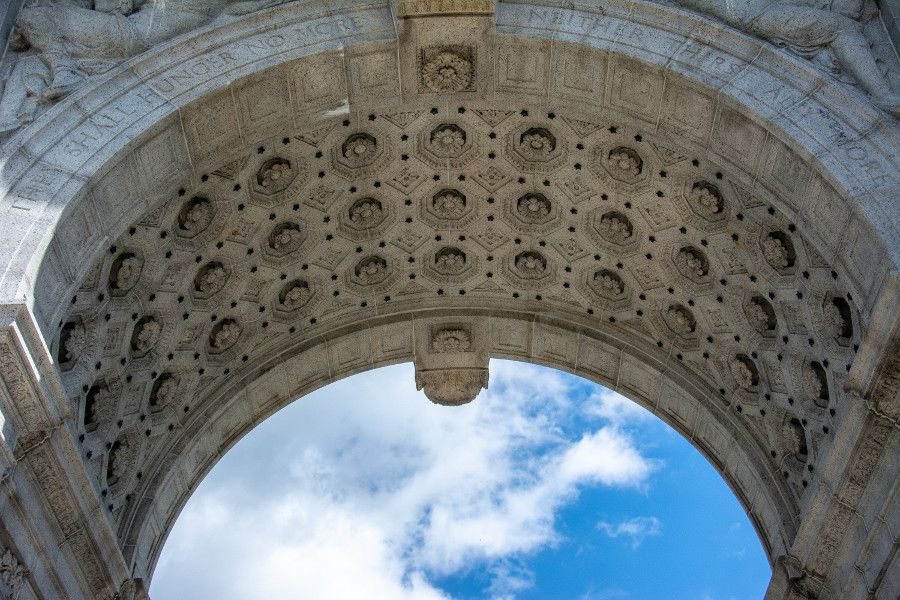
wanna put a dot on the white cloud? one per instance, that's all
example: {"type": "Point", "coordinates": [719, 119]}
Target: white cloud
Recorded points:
{"type": "Point", "coordinates": [614, 407]}
{"type": "Point", "coordinates": [636, 529]}
{"type": "Point", "coordinates": [367, 490]}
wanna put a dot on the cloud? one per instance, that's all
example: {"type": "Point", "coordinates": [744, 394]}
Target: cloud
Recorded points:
{"type": "Point", "coordinates": [636, 529]}
{"type": "Point", "coordinates": [615, 408]}
{"type": "Point", "coordinates": [367, 490]}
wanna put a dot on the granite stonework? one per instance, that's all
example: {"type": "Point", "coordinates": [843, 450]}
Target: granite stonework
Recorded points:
{"type": "Point", "coordinates": [206, 220]}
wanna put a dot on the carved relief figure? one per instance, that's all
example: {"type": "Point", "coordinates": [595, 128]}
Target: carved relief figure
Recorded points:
{"type": "Point", "coordinates": [625, 163]}
{"type": "Point", "coordinates": [210, 279]}
{"type": "Point", "coordinates": [531, 265]}
{"type": "Point", "coordinates": [807, 28]}
{"type": "Point", "coordinates": [706, 199]}
{"type": "Point", "coordinates": [691, 263]}
{"type": "Point", "coordinates": [680, 320]}
{"type": "Point", "coordinates": [164, 390]}
{"type": "Point", "coordinates": [71, 43]}
{"type": "Point", "coordinates": [778, 250]}
{"type": "Point", "coordinates": [195, 216]}
{"type": "Point", "coordinates": [615, 227]}
{"type": "Point", "coordinates": [124, 273]}
{"type": "Point", "coordinates": [609, 283]}
{"type": "Point", "coordinates": [145, 335]}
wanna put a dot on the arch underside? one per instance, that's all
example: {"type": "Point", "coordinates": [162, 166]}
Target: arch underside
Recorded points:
{"type": "Point", "coordinates": [603, 194]}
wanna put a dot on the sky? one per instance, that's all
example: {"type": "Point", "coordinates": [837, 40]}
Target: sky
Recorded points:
{"type": "Point", "coordinates": [546, 486]}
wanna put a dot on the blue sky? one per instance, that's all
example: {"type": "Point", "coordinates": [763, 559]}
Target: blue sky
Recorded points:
{"type": "Point", "coordinates": [545, 487]}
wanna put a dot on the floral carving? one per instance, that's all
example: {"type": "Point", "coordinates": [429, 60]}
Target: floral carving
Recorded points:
{"type": "Point", "coordinates": [692, 263]}
{"type": "Point", "coordinates": [295, 294]}
{"type": "Point", "coordinates": [615, 227]}
{"type": "Point", "coordinates": [761, 314]}
{"type": "Point", "coordinates": [706, 199]}
{"type": "Point", "coordinates": [447, 140]}
{"type": "Point", "coordinates": [815, 383]}
{"type": "Point", "coordinates": [838, 318]}
{"type": "Point", "coordinates": [224, 335]}
{"type": "Point", "coordinates": [163, 392]}
{"type": "Point", "coordinates": [371, 270]}
{"type": "Point", "coordinates": [608, 283]}
{"type": "Point", "coordinates": [447, 71]}
{"type": "Point", "coordinates": [285, 238]}
{"type": "Point", "coordinates": [275, 175]}
{"type": "Point", "coordinates": [778, 250]}
{"type": "Point", "coordinates": [124, 273]}
{"type": "Point", "coordinates": [531, 264]}
{"type": "Point", "coordinates": [99, 405]}
{"type": "Point", "coordinates": [537, 143]}
{"type": "Point", "coordinates": [680, 319]}
{"type": "Point", "coordinates": [449, 204]}
{"type": "Point", "coordinates": [145, 335]}
{"type": "Point", "coordinates": [449, 261]}
{"type": "Point", "coordinates": [366, 212]}
{"type": "Point", "coordinates": [625, 163]}
{"type": "Point", "coordinates": [210, 279]}
{"type": "Point", "coordinates": [360, 149]}
{"type": "Point", "coordinates": [121, 455]}
{"type": "Point", "coordinates": [744, 372]}
{"type": "Point", "coordinates": [795, 438]}
{"type": "Point", "coordinates": [195, 216]}
{"type": "Point", "coordinates": [71, 341]}
{"type": "Point", "coordinates": [533, 208]}
{"type": "Point", "coordinates": [451, 340]}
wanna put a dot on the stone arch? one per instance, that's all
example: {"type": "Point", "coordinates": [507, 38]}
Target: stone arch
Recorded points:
{"type": "Point", "coordinates": [278, 123]}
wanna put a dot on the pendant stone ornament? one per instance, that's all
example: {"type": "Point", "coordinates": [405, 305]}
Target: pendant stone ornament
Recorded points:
{"type": "Point", "coordinates": [451, 361]}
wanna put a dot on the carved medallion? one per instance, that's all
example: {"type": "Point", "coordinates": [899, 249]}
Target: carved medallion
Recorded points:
{"type": "Point", "coordinates": [371, 270]}
{"type": "Point", "coordinates": [145, 335]}
{"type": "Point", "coordinates": [195, 216]}
{"type": "Point", "coordinates": [163, 392]}
{"type": "Point", "coordinates": [449, 261]}
{"type": "Point", "coordinates": [224, 335]}
{"type": "Point", "coordinates": [275, 175]}
{"type": "Point", "coordinates": [447, 71]}
{"type": "Point", "coordinates": [210, 279]}
{"type": "Point", "coordinates": [124, 273]}
{"type": "Point", "coordinates": [680, 320]}
{"type": "Point", "coordinates": [451, 340]}
{"type": "Point", "coordinates": [285, 238]}
{"type": "Point", "coordinates": [295, 294]}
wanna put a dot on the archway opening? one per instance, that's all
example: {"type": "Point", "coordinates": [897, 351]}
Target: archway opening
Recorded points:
{"type": "Point", "coordinates": [547, 485]}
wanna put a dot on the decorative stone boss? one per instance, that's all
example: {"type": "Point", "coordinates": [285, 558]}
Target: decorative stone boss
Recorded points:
{"type": "Point", "coordinates": [451, 360]}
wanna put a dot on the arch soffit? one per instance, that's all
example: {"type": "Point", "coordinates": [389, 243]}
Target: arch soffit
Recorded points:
{"type": "Point", "coordinates": [128, 135]}
{"type": "Point", "coordinates": [137, 131]}
{"type": "Point", "coordinates": [577, 346]}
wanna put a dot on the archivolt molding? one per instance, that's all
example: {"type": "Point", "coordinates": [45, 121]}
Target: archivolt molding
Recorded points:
{"type": "Point", "coordinates": [232, 220]}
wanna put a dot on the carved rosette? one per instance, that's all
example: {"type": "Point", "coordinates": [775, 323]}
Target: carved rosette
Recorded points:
{"type": "Point", "coordinates": [72, 341]}
{"type": "Point", "coordinates": [607, 289]}
{"type": "Point", "coordinates": [744, 372]}
{"type": "Point", "coordinates": [224, 335]}
{"type": "Point", "coordinates": [449, 264]}
{"type": "Point", "coordinates": [164, 392]}
{"type": "Point", "coordinates": [366, 217]}
{"type": "Point", "coordinates": [145, 335]}
{"type": "Point", "coordinates": [621, 163]}
{"type": "Point", "coordinates": [121, 460]}
{"type": "Point", "coordinates": [210, 279]}
{"type": "Point", "coordinates": [692, 264]}
{"type": "Point", "coordinates": [195, 217]}
{"type": "Point", "coordinates": [277, 179]}
{"type": "Point", "coordinates": [359, 154]}
{"type": "Point", "coordinates": [124, 273]}
{"type": "Point", "coordinates": [532, 212]}
{"type": "Point", "coordinates": [447, 145]}
{"type": "Point", "coordinates": [284, 239]}
{"type": "Point", "coordinates": [100, 404]}
{"type": "Point", "coordinates": [614, 230]}
{"type": "Point", "coordinates": [535, 148]}
{"type": "Point", "coordinates": [761, 315]}
{"type": "Point", "coordinates": [447, 69]}
{"type": "Point", "coordinates": [777, 250]}
{"type": "Point", "coordinates": [680, 320]}
{"type": "Point", "coordinates": [295, 295]}
{"type": "Point", "coordinates": [448, 207]}
{"type": "Point", "coordinates": [706, 201]}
